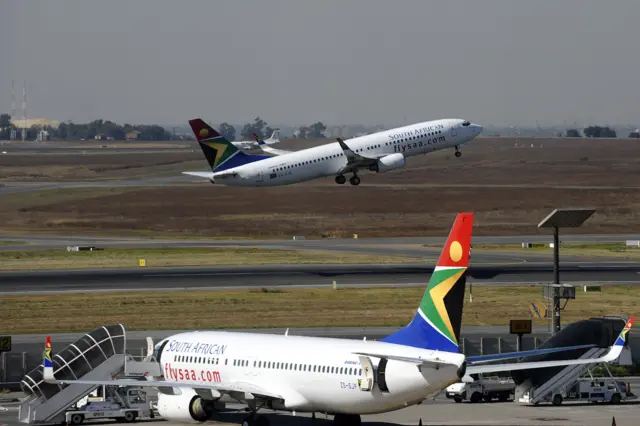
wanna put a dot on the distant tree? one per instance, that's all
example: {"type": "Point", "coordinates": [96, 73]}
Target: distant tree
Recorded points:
{"type": "Point", "coordinates": [634, 135]}
{"type": "Point", "coordinates": [5, 126]}
{"type": "Point", "coordinates": [316, 131]}
{"type": "Point", "coordinates": [268, 131]}
{"type": "Point", "coordinates": [302, 132]}
{"type": "Point", "coordinates": [572, 133]}
{"type": "Point", "coordinates": [228, 131]}
{"type": "Point", "coordinates": [250, 128]}
{"type": "Point", "coordinates": [599, 132]}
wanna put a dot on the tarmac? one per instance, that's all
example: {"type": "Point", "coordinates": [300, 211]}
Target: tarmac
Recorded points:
{"type": "Point", "coordinates": [438, 411]}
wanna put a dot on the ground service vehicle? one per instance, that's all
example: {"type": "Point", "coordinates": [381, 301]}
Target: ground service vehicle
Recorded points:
{"type": "Point", "coordinates": [601, 389]}
{"type": "Point", "coordinates": [487, 388]}
{"type": "Point", "coordinates": [119, 402]}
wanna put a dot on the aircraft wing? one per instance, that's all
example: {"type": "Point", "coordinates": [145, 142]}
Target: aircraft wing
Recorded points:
{"type": "Point", "coordinates": [479, 359]}
{"type": "Point", "coordinates": [266, 148]}
{"type": "Point", "coordinates": [355, 160]}
{"type": "Point", "coordinates": [612, 355]}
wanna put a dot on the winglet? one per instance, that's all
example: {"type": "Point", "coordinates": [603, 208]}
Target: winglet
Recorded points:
{"type": "Point", "coordinates": [616, 349]}
{"type": "Point", "coordinates": [47, 365]}
{"type": "Point", "coordinates": [348, 152]}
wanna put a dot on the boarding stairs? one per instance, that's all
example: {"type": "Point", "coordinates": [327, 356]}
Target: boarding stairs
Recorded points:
{"type": "Point", "coordinates": [98, 355]}
{"type": "Point", "coordinates": [562, 381]}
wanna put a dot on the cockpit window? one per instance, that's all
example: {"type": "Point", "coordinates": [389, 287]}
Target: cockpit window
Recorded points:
{"type": "Point", "coordinates": [466, 123]}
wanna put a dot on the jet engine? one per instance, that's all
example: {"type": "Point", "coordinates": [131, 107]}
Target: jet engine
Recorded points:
{"type": "Point", "coordinates": [388, 162]}
{"type": "Point", "coordinates": [187, 407]}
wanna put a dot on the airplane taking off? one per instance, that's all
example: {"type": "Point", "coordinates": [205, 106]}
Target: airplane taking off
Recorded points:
{"type": "Point", "coordinates": [248, 145]}
{"type": "Point", "coordinates": [342, 377]}
{"type": "Point", "coordinates": [379, 152]}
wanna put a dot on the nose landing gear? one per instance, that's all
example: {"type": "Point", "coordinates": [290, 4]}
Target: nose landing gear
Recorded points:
{"type": "Point", "coordinates": [458, 153]}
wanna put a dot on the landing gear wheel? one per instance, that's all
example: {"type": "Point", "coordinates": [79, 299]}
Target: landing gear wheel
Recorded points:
{"type": "Point", "coordinates": [249, 421]}
{"type": "Point", "coordinates": [340, 179]}
{"type": "Point", "coordinates": [458, 154]}
{"type": "Point", "coordinates": [355, 180]}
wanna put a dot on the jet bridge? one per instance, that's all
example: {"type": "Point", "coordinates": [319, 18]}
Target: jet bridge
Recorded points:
{"type": "Point", "coordinates": [98, 355]}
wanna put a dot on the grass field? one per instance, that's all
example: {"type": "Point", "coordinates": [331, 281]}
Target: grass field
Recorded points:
{"type": "Point", "coordinates": [283, 308]}
{"type": "Point", "coordinates": [116, 258]}
{"type": "Point", "coordinates": [419, 200]}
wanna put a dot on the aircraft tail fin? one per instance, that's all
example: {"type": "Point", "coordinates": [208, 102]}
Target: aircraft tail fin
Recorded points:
{"type": "Point", "coordinates": [47, 365]}
{"type": "Point", "coordinates": [220, 153]}
{"type": "Point", "coordinates": [436, 325]}
{"type": "Point", "coordinates": [275, 136]}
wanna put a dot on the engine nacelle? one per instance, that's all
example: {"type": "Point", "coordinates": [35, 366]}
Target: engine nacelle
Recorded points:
{"type": "Point", "coordinates": [187, 407]}
{"type": "Point", "coordinates": [388, 162]}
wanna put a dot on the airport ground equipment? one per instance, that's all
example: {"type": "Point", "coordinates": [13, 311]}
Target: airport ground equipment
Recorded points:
{"type": "Point", "coordinates": [599, 389]}
{"type": "Point", "coordinates": [571, 380]}
{"type": "Point", "coordinates": [98, 355]}
{"type": "Point", "coordinates": [486, 389]}
{"type": "Point", "coordinates": [119, 402]}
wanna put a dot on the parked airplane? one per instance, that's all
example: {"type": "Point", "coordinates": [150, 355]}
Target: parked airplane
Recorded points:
{"type": "Point", "coordinates": [345, 378]}
{"type": "Point", "coordinates": [379, 152]}
{"type": "Point", "coordinates": [248, 145]}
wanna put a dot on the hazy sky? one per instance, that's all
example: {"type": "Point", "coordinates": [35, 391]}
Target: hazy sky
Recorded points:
{"type": "Point", "coordinates": [338, 61]}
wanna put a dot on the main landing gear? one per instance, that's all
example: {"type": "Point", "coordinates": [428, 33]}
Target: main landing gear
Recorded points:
{"type": "Point", "coordinates": [458, 153]}
{"type": "Point", "coordinates": [354, 180]}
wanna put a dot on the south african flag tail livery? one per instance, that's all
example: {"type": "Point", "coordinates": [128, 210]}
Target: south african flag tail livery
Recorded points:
{"type": "Point", "coordinates": [220, 153]}
{"type": "Point", "coordinates": [436, 324]}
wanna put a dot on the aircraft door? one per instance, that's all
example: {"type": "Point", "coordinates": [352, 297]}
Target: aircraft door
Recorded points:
{"type": "Point", "coordinates": [454, 130]}
{"type": "Point", "coordinates": [259, 177]}
{"type": "Point", "coordinates": [367, 379]}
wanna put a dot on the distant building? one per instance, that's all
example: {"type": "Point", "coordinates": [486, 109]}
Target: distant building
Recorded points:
{"type": "Point", "coordinates": [132, 136]}
{"type": "Point", "coordinates": [26, 124]}
{"type": "Point", "coordinates": [43, 135]}
{"type": "Point", "coordinates": [101, 137]}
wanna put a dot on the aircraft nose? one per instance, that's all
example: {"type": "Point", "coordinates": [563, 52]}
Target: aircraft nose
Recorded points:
{"type": "Point", "coordinates": [477, 129]}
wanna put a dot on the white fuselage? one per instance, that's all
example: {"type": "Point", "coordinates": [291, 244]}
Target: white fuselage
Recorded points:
{"type": "Point", "coordinates": [310, 373]}
{"type": "Point", "coordinates": [330, 160]}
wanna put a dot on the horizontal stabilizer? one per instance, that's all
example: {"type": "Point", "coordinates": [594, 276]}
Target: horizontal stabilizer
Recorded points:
{"type": "Point", "coordinates": [411, 360]}
{"type": "Point", "coordinates": [207, 175]}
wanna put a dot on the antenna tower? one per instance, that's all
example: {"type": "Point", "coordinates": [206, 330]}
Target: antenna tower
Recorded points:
{"type": "Point", "coordinates": [24, 110]}
{"type": "Point", "coordinates": [12, 134]}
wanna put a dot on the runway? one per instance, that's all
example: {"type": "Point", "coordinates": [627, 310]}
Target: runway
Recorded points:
{"type": "Point", "coordinates": [413, 246]}
{"type": "Point", "coordinates": [242, 277]}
